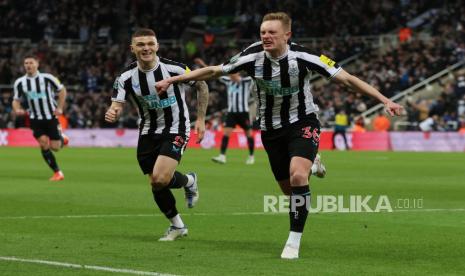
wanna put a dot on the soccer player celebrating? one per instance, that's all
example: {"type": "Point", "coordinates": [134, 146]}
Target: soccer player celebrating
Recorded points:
{"type": "Point", "coordinates": [289, 124]}
{"type": "Point", "coordinates": [164, 127]}
{"type": "Point", "coordinates": [39, 89]}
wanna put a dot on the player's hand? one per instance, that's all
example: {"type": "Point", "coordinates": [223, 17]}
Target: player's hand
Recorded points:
{"type": "Point", "coordinates": [393, 109]}
{"type": "Point", "coordinates": [112, 114]}
{"type": "Point", "coordinates": [200, 129]}
{"type": "Point", "coordinates": [200, 62]}
{"type": "Point", "coordinates": [162, 86]}
{"type": "Point", "coordinates": [20, 112]}
{"type": "Point", "coordinates": [58, 112]}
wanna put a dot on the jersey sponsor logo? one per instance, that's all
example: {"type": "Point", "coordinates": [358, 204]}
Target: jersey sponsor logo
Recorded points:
{"type": "Point", "coordinates": [233, 89]}
{"type": "Point", "coordinates": [33, 95]}
{"type": "Point", "coordinates": [274, 88]}
{"type": "Point", "coordinates": [326, 60]}
{"type": "Point", "coordinates": [188, 70]}
{"type": "Point", "coordinates": [153, 102]}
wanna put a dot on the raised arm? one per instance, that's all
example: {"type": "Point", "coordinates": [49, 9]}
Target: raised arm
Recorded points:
{"type": "Point", "coordinates": [202, 104]}
{"type": "Point", "coordinates": [207, 73]}
{"type": "Point", "coordinates": [358, 85]}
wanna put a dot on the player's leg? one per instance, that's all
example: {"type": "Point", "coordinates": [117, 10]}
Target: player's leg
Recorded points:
{"type": "Point", "coordinates": [40, 133]}
{"type": "Point", "coordinates": [303, 145]}
{"type": "Point", "coordinates": [57, 138]}
{"type": "Point", "coordinates": [278, 155]}
{"type": "Point", "coordinates": [158, 157]}
{"type": "Point", "coordinates": [245, 124]}
{"type": "Point", "coordinates": [56, 143]}
{"type": "Point", "coordinates": [299, 205]}
{"type": "Point", "coordinates": [229, 125]}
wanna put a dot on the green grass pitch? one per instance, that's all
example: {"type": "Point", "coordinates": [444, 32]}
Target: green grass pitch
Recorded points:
{"type": "Point", "coordinates": [41, 220]}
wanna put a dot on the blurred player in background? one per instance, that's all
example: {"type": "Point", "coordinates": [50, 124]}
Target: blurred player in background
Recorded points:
{"type": "Point", "coordinates": [39, 90]}
{"type": "Point", "coordinates": [239, 90]}
{"type": "Point", "coordinates": [289, 124]}
{"type": "Point", "coordinates": [165, 125]}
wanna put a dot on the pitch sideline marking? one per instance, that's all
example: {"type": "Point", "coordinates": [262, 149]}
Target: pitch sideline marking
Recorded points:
{"type": "Point", "coordinates": [79, 266]}
{"type": "Point", "coordinates": [214, 214]}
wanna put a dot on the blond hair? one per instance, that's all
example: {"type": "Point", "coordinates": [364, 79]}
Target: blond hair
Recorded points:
{"type": "Point", "coordinates": [281, 16]}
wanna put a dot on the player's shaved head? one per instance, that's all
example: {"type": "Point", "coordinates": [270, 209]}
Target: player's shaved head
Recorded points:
{"type": "Point", "coordinates": [143, 32]}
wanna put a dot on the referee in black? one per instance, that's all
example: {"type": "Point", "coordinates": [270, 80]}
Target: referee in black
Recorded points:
{"type": "Point", "coordinates": [288, 120]}
{"type": "Point", "coordinates": [39, 90]}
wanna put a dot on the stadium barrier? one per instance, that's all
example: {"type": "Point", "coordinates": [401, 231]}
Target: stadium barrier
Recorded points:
{"type": "Point", "coordinates": [373, 141]}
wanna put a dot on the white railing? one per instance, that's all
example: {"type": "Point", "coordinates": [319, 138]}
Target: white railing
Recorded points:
{"type": "Point", "coordinates": [414, 88]}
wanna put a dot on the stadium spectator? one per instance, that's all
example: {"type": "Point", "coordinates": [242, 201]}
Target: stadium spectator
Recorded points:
{"type": "Point", "coordinates": [381, 123]}
{"type": "Point", "coordinates": [341, 124]}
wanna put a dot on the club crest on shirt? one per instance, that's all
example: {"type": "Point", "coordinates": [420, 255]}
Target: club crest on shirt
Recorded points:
{"type": "Point", "coordinates": [293, 70]}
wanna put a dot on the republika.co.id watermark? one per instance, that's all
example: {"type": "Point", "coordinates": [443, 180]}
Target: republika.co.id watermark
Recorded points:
{"type": "Point", "coordinates": [340, 203]}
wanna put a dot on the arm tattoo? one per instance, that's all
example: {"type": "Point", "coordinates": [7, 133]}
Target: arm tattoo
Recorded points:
{"type": "Point", "coordinates": [202, 98]}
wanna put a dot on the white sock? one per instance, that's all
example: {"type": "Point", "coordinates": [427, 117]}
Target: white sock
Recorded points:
{"type": "Point", "coordinates": [294, 239]}
{"type": "Point", "coordinates": [314, 168]}
{"type": "Point", "coordinates": [190, 180]}
{"type": "Point", "coordinates": [222, 156]}
{"type": "Point", "coordinates": [177, 221]}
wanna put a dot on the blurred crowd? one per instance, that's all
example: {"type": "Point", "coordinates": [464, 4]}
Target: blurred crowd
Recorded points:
{"type": "Point", "coordinates": [101, 20]}
{"type": "Point", "coordinates": [89, 70]}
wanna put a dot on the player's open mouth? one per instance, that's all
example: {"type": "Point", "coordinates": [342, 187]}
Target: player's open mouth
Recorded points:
{"type": "Point", "coordinates": [267, 43]}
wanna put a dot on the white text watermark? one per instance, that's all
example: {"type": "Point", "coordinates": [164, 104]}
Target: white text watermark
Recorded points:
{"type": "Point", "coordinates": [339, 203]}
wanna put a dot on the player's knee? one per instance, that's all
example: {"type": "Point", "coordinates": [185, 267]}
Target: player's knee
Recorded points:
{"type": "Point", "coordinates": [299, 177]}
{"type": "Point", "coordinates": [55, 147]}
{"type": "Point", "coordinates": [160, 180]}
{"type": "Point", "coordinates": [44, 145]}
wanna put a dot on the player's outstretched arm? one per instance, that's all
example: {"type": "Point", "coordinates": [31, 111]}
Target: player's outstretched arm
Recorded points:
{"type": "Point", "coordinates": [358, 85]}
{"type": "Point", "coordinates": [207, 73]}
{"type": "Point", "coordinates": [202, 104]}
{"type": "Point", "coordinates": [114, 112]}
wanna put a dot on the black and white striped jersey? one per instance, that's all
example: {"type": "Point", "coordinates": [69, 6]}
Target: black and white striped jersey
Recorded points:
{"type": "Point", "coordinates": [160, 114]}
{"type": "Point", "coordinates": [238, 93]}
{"type": "Point", "coordinates": [40, 94]}
{"type": "Point", "coordinates": [283, 84]}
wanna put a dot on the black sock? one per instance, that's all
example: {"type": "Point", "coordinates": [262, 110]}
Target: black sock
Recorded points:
{"type": "Point", "coordinates": [224, 144]}
{"type": "Point", "coordinates": [251, 144]}
{"type": "Point", "coordinates": [50, 159]}
{"type": "Point", "coordinates": [165, 201]}
{"type": "Point", "coordinates": [299, 206]}
{"type": "Point", "coordinates": [179, 180]}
